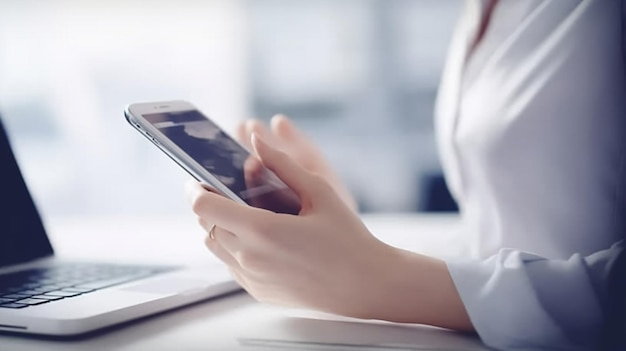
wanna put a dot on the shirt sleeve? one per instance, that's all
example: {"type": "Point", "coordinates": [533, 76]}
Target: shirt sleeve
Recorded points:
{"type": "Point", "coordinates": [521, 301]}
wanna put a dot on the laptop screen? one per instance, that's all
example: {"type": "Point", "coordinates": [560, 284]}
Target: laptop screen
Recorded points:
{"type": "Point", "coordinates": [22, 236]}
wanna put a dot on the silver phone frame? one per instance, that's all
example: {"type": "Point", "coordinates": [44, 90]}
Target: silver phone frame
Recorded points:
{"type": "Point", "coordinates": [134, 116]}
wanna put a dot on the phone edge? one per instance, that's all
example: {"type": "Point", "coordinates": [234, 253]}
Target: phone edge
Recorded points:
{"type": "Point", "coordinates": [192, 168]}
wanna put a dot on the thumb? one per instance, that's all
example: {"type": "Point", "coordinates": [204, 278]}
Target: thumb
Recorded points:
{"type": "Point", "coordinates": [296, 177]}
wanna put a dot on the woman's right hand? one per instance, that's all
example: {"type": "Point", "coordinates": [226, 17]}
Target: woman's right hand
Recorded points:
{"type": "Point", "coordinates": [323, 258]}
{"type": "Point", "coordinates": [284, 136]}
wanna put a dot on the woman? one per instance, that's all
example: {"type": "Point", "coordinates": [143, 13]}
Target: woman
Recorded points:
{"type": "Point", "coordinates": [530, 123]}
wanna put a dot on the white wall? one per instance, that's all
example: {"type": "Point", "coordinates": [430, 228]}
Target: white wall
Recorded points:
{"type": "Point", "coordinates": [359, 75]}
{"type": "Point", "coordinates": [67, 68]}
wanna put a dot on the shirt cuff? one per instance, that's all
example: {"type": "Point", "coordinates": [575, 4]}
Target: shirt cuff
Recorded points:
{"type": "Point", "coordinates": [517, 300]}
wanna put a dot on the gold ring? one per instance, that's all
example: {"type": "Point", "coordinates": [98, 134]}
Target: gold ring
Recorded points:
{"type": "Point", "coordinates": [212, 232]}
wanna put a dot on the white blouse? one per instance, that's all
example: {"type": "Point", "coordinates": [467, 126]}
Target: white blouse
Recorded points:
{"type": "Point", "coordinates": [531, 127]}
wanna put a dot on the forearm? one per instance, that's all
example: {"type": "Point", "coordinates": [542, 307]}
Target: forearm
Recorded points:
{"type": "Point", "coordinates": [417, 289]}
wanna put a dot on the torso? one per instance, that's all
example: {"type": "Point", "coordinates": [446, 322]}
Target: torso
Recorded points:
{"type": "Point", "coordinates": [531, 118]}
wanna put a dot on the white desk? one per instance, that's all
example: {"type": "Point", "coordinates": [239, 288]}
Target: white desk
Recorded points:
{"type": "Point", "coordinates": [229, 322]}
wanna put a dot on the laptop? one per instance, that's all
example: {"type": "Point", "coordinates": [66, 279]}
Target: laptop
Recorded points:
{"type": "Point", "coordinates": [44, 294]}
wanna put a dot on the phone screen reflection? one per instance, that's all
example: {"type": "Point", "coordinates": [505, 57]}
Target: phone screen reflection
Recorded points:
{"type": "Point", "coordinates": [226, 159]}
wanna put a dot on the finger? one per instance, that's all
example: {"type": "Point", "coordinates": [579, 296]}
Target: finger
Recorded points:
{"type": "Point", "coordinates": [206, 225]}
{"type": "Point", "coordinates": [287, 134]}
{"type": "Point", "coordinates": [257, 127]}
{"type": "Point", "coordinates": [242, 135]}
{"type": "Point", "coordinates": [253, 171]}
{"type": "Point", "coordinates": [222, 254]}
{"type": "Point", "coordinates": [250, 126]}
{"type": "Point", "coordinates": [294, 175]}
{"type": "Point", "coordinates": [227, 240]}
{"type": "Point", "coordinates": [223, 212]}
{"type": "Point", "coordinates": [240, 279]}
{"type": "Point", "coordinates": [284, 128]}
{"type": "Point", "coordinates": [190, 188]}
{"type": "Point", "coordinates": [232, 247]}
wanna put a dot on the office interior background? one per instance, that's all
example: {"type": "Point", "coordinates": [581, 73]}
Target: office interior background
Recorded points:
{"type": "Point", "coordinates": [358, 76]}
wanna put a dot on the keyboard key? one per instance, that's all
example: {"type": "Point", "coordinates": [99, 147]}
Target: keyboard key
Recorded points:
{"type": "Point", "coordinates": [61, 293]}
{"type": "Point", "coordinates": [32, 302]}
{"type": "Point", "coordinates": [49, 287]}
{"type": "Point", "coordinates": [78, 290]}
{"type": "Point", "coordinates": [41, 285]}
{"type": "Point", "coordinates": [15, 296]}
{"type": "Point", "coordinates": [48, 297]}
{"type": "Point", "coordinates": [13, 305]}
{"type": "Point", "coordinates": [10, 290]}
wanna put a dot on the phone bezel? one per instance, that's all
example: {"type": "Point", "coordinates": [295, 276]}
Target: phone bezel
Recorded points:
{"type": "Point", "coordinates": [134, 115]}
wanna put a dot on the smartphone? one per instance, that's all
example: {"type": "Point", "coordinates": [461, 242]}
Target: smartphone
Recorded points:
{"type": "Point", "coordinates": [210, 155]}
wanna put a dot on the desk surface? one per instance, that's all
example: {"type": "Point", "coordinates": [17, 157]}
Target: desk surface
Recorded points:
{"type": "Point", "coordinates": [236, 321]}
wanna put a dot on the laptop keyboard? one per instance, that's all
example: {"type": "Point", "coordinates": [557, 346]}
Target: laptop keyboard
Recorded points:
{"type": "Point", "coordinates": [37, 286]}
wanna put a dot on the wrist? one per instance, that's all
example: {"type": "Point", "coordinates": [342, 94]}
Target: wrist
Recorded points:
{"type": "Point", "coordinates": [413, 288]}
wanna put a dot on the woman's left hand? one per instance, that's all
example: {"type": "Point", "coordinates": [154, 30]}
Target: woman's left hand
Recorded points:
{"type": "Point", "coordinates": [324, 258]}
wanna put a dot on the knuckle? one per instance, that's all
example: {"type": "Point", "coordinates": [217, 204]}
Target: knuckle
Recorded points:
{"type": "Point", "coordinates": [320, 184]}
{"type": "Point", "coordinates": [251, 261]}
{"type": "Point", "coordinates": [198, 204]}
{"type": "Point", "coordinates": [279, 156]}
{"type": "Point", "coordinates": [264, 229]}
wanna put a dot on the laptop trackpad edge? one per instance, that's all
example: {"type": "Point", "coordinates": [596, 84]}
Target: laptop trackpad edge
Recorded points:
{"type": "Point", "coordinates": [169, 286]}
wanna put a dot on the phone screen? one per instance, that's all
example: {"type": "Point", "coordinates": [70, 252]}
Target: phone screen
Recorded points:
{"type": "Point", "coordinates": [226, 160]}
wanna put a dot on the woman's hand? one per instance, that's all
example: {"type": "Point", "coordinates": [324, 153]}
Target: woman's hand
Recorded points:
{"type": "Point", "coordinates": [324, 258]}
{"type": "Point", "coordinates": [284, 136]}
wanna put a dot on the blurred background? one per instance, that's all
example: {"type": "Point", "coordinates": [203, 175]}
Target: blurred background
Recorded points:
{"type": "Point", "coordinates": [358, 76]}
